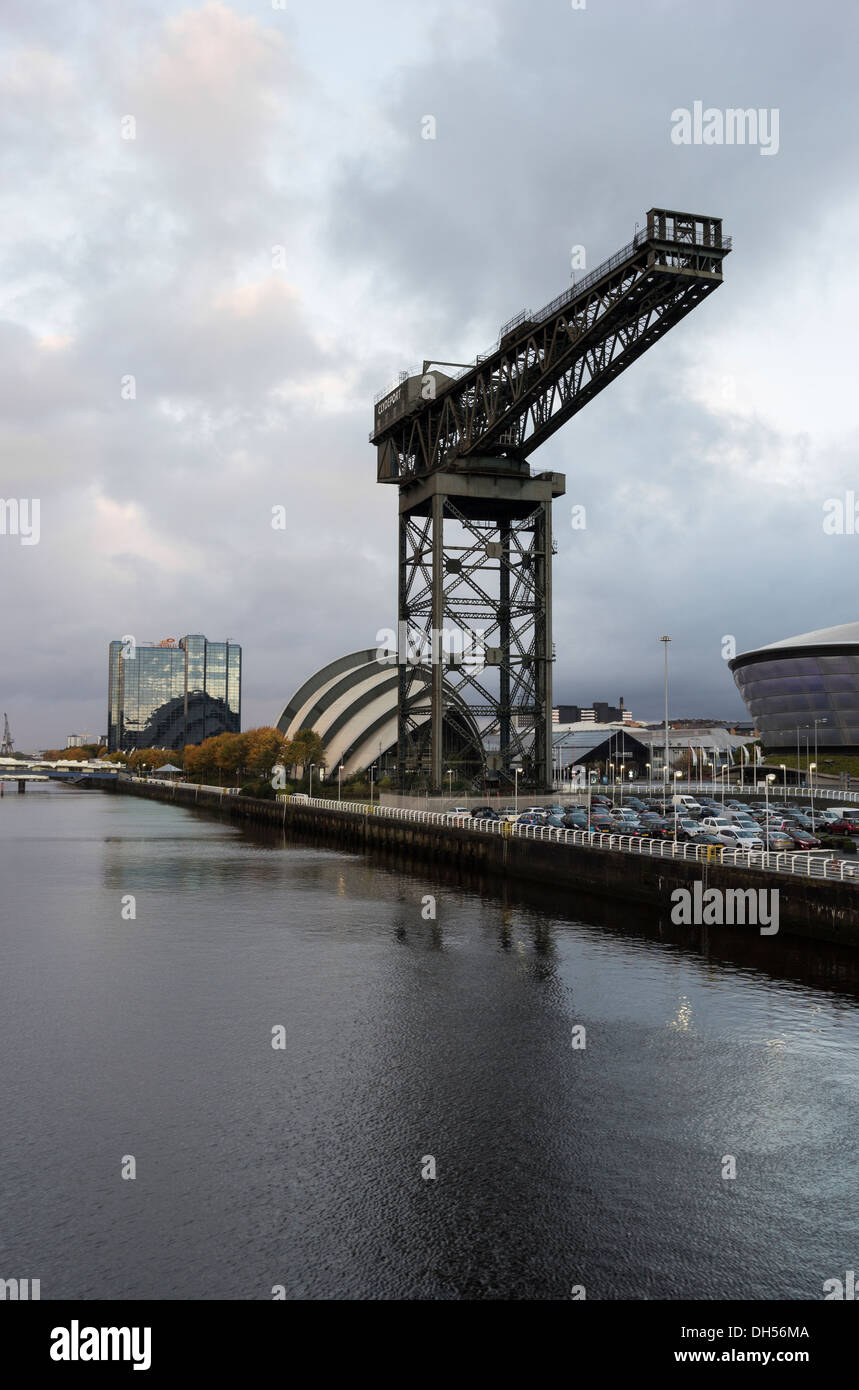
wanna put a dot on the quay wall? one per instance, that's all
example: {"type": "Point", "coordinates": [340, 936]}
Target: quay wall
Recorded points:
{"type": "Point", "coordinates": [820, 909]}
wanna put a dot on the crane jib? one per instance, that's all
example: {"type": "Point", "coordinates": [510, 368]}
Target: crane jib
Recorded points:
{"type": "Point", "coordinates": [547, 365]}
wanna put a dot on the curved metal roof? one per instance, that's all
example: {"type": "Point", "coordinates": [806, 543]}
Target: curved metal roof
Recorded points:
{"type": "Point", "coordinates": [822, 636]}
{"type": "Point", "coordinates": [835, 639]}
{"type": "Point", "coordinates": [352, 704]}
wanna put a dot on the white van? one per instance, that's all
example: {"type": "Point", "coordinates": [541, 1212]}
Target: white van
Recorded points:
{"type": "Point", "coordinates": [688, 803]}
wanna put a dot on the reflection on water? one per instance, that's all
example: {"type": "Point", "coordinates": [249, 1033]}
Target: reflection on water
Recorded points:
{"type": "Point", "coordinates": [412, 1028]}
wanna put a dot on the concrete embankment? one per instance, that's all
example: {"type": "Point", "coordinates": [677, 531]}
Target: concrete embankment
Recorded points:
{"type": "Point", "coordinates": [823, 910]}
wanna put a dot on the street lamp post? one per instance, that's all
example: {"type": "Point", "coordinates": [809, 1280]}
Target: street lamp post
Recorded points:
{"type": "Point", "coordinates": [649, 780]}
{"type": "Point", "coordinates": [516, 772]}
{"type": "Point", "coordinates": [340, 782]}
{"type": "Point", "coordinates": [372, 771]}
{"type": "Point", "coordinates": [450, 784]}
{"type": "Point", "coordinates": [812, 771]}
{"type": "Point", "coordinates": [676, 776]}
{"type": "Point", "coordinates": [665, 640]}
{"type": "Point", "coordinates": [312, 766]}
{"type": "Point", "coordinates": [783, 781]}
{"type": "Point", "coordinates": [770, 777]}
{"type": "Point", "coordinates": [816, 722]}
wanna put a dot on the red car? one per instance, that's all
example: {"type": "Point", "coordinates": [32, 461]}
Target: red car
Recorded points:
{"type": "Point", "coordinates": [842, 827]}
{"type": "Point", "coordinates": [803, 839]}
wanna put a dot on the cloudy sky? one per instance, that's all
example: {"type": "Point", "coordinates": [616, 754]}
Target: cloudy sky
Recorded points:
{"type": "Point", "coordinates": [233, 204]}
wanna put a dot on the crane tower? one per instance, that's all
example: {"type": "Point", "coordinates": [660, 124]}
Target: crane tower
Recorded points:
{"type": "Point", "coordinates": [475, 523]}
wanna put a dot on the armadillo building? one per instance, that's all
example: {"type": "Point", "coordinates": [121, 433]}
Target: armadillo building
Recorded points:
{"type": "Point", "coordinates": [352, 705]}
{"type": "Point", "coordinates": [790, 686]}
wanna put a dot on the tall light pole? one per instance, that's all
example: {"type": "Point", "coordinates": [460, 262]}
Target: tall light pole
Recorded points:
{"type": "Point", "coordinates": [812, 768]}
{"type": "Point", "coordinates": [676, 775]}
{"type": "Point", "coordinates": [516, 772]}
{"type": "Point", "coordinates": [770, 777]}
{"type": "Point", "coordinates": [650, 775]}
{"type": "Point", "coordinates": [816, 722]}
{"type": "Point", "coordinates": [312, 766]}
{"type": "Point", "coordinates": [783, 781]}
{"type": "Point", "coordinates": [665, 640]}
{"type": "Point", "coordinates": [371, 771]}
{"type": "Point", "coordinates": [340, 782]}
{"type": "Point", "coordinates": [450, 784]}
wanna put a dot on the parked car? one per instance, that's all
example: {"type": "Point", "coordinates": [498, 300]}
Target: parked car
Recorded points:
{"type": "Point", "coordinates": [803, 839]}
{"type": "Point", "coordinates": [484, 813]}
{"type": "Point", "coordinates": [706, 837]}
{"type": "Point", "coordinates": [715, 824]}
{"type": "Point", "coordinates": [778, 840]}
{"type": "Point", "coordinates": [841, 827]}
{"type": "Point", "coordinates": [739, 839]}
{"type": "Point", "coordinates": [459, 813]}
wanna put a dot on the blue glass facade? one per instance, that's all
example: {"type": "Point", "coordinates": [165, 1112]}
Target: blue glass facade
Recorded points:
{"type": "Point", "coordinates": [168, 696]}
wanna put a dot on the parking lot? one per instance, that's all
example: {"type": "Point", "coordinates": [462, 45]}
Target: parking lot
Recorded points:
{"type": "Point", "coordinates": [738, 823]}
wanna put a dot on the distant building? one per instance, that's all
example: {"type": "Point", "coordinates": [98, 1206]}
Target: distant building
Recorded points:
{"type": "Point", "coordinates": [598, 713]}
{"type": "Point", "coordinates": [804, 689]}
{"type": "Point", "coordinates": [75, 740]}
{"type": "Point", "coordinates": [172, 694]}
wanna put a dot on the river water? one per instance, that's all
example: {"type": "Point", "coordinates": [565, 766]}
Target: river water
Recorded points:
{"type": "Point", "coordinates": [406, 1039]}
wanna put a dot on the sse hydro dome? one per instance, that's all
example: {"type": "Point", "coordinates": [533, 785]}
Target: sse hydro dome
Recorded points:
{"type": "Point", "coordinates": [792, 685]}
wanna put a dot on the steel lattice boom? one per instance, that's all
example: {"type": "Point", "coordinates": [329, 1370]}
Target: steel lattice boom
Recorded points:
{"type": "Point", "coordinates": [457, 448]}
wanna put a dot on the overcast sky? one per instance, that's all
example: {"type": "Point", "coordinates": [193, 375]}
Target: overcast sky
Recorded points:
{"type": "Point", "coordinates": [277, 241]}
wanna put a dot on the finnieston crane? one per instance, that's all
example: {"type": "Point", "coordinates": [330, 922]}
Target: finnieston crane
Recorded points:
{"type": "Point", "coordinates": [475, 524]}
{"type": "Point", "coordinates": [7, 747]}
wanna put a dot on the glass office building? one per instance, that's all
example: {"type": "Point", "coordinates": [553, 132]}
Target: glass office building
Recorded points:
{"type": "Point", "coordinates": [804, 685]}
{"type": "Point", "coordinates": [173, 693]}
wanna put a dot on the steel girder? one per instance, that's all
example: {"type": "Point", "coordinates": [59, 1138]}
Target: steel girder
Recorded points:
{"type": "Point", "coordinates": [548, 366]}
{"type": "Point", "coordinates": [475, 606]}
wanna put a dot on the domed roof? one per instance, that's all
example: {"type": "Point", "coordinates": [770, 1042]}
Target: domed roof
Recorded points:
{"type": "Point", "coordinates": [822, 636]}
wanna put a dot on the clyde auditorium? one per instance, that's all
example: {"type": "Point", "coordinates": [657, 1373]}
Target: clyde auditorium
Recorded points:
{"type": "Point", "coordinates": [352, 704]}
{"type": "Point", "coordinates": [791, 684]}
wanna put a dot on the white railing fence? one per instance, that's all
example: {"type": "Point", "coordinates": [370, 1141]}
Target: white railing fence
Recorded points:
{"type": "Point", "coordinates": [808, 865]}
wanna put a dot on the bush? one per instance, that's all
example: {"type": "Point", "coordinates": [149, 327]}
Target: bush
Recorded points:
{"type": "Point", "coordinates": [842, 842]}
{"type": "Point", "coordinates": [262, 790]}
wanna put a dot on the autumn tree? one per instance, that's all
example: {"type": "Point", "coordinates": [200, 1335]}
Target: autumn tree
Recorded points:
{"type": "Point", "coordinates": [302, 750]}
{"type": "Point", "coordinates": [264, 752]}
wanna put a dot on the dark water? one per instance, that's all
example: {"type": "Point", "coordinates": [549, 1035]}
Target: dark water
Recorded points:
{"type": "Point", "coordinates": [405, 1037]}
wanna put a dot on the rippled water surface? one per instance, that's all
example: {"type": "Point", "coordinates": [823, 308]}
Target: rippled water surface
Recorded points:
{"type": "Point", "coordinates": [404, 1038]}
